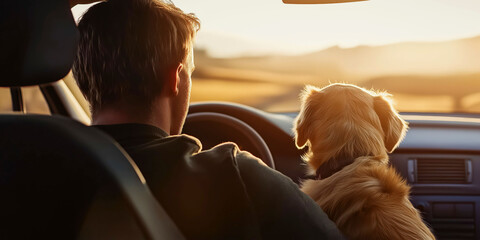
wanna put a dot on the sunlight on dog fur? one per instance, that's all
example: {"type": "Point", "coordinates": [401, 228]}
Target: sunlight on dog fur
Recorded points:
{"type": "Point", "coordinates": [350, 131]}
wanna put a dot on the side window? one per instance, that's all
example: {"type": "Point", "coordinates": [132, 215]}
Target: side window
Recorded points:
{"type": "Point", "coordinates": [32, 98]}
{"type": "Point", "coordinates": [5, 100]}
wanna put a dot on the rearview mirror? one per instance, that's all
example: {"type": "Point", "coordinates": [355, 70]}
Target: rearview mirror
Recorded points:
{"type": "Point", "coordinates": [319, 1]}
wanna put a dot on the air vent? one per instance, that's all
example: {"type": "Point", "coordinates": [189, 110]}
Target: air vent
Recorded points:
{"type": "Point", "coordinates": [440, 171]}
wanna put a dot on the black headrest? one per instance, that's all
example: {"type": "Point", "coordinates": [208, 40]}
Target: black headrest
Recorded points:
{"type": "Point", "coordinates": [38, 41]}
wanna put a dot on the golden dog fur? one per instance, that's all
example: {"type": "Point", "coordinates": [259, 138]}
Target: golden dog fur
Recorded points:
{"type": "Point", "coordinates": [367, 199]}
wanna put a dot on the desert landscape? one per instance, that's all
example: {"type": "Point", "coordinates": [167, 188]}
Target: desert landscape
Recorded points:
{"type": "Point", "coordinates": [421, 76]}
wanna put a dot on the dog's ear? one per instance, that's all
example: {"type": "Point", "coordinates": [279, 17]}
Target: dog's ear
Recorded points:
{"type": "Point", "coordinates": [393, 126]}
{"type": "Point", "coordinates": [302, 127]}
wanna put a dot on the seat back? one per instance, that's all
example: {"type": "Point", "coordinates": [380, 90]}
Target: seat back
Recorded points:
{"type": "Point", "coordinates": [51, 168]}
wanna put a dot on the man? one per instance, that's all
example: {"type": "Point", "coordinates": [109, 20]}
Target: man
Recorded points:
{"type": "Point", "coordinates": [134, 65]}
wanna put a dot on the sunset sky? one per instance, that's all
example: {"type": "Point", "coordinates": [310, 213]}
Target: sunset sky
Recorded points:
{"type": "Point", "coordinates": [258, 27]}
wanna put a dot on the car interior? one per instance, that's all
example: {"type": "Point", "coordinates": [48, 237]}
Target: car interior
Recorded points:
{"type": "Point", "coordinates": [61, 179]}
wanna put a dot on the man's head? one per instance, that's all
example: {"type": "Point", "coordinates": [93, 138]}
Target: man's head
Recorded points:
{"type": "Point", "coordinates": [129, 50]}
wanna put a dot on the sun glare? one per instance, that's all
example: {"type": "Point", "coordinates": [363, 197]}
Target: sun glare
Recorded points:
{"type": "Point", "coordinates": [269, 26]}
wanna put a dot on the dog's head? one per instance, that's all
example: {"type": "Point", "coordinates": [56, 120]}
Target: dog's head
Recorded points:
{"type": "Point", "coordinates": [348, 121]}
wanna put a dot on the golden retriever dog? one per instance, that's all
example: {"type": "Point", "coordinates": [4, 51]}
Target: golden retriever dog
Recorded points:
{"type": "Point", "coordinates": [349, 131]}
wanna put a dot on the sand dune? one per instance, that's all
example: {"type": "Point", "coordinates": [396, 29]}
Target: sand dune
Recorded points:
{"type": "Point", "coordinates": [423, 76]}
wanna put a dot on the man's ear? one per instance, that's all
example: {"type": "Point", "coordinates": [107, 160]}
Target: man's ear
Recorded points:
{"type": "Point", "coordinates": [303, 121]}
{"type": "Point", "coordinates": [174, 79]}
{"type": "Point", "coordinates": [394, 127]}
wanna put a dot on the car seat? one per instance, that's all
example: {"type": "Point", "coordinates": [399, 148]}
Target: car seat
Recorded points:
{"type": "Point", "coordinates": [55, 171]}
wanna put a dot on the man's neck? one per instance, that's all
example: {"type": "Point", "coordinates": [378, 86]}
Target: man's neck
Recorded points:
{"type": "Point", "coordinates": [158, 116]}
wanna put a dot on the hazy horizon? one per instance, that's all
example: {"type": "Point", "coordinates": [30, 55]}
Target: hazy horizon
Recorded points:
{"type": "Point", "coordinates": [248, 54]}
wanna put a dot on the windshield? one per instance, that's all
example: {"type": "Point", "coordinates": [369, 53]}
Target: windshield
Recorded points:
{"type": "Point", "coordinates": [426, 53]}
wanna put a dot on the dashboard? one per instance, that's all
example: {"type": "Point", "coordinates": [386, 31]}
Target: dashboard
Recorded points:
{"type": "Point", "coordinates": [439, 158]}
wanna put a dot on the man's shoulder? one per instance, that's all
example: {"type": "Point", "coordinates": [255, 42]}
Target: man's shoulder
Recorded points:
{"type": "Point", "coordinates": [227, 151]}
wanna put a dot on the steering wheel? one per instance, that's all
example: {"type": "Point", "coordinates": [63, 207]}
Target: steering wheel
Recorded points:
{"type": "Point", "coordinates": [214, 128]}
